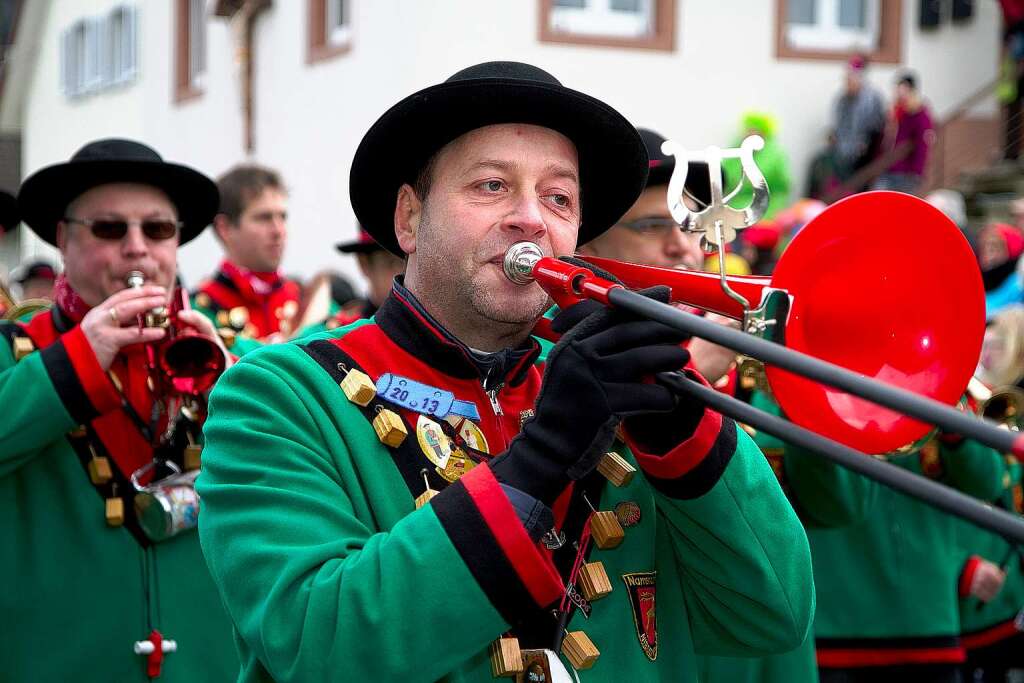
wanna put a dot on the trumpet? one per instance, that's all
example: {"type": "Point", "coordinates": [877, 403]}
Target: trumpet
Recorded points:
{"type": "Point", "coordinates": [865, 358]}
{"type": "Point", "coordinates": [185, 361]}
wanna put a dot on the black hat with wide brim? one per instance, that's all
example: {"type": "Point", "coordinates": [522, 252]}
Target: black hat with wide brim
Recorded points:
{"type": "Point", "coordinates": [45, 195]}
{"type": "Point", "coordinates": [8, 212]}
{"type": "Point", "coordinates": [612, 159]}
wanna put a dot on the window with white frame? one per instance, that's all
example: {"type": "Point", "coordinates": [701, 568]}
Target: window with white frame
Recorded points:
{"type": "Point", "coordinates": [833, 25]}
{"type": "Point", "coordinates": [196, 43]}
{"type": "Point", "coordinates": [338, 27]}
{"type": "Point", "coordinates": [99, 52]}
{"type": "Point", "coordinates": [120, 49]}
{"type": "Point", "coordinates": [610, 18]}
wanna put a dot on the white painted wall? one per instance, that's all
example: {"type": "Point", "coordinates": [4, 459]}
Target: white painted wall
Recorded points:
{"type": "Point", "coordinates": [310, 117]}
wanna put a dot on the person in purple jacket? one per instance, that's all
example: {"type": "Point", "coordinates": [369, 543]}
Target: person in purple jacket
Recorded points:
{"type": "Point", "coordinates": [911, 137]}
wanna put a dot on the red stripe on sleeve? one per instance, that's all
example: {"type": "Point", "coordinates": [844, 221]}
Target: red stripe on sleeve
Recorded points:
{"type": "Point", "coordinates": [967, 576]}
{"type": "Point", "coordinates": [687, 454]}
{"type": "Point", "coordinates": [536, 572]}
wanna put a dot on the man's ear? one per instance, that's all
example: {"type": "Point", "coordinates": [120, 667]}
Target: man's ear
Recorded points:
{"type": "Point", "coordinates": [221, 224]}
{"type": "Point", "coordinates": [408, 210]}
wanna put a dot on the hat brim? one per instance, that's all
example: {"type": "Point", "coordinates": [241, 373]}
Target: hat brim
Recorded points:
{"type": "Point", "coordinates": [611, 156]}
{"type": "Point", "coordinates": [44, 196]}
{"type": "Point", "coordinates": [357, 247]}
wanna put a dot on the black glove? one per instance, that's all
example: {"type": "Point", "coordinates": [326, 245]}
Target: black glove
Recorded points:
{"type": "Point", "coordinates": [594, 377]}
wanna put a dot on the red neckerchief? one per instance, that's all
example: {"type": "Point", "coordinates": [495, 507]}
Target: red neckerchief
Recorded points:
{"type": "Point", "coordinates": [124, 443]}
{"type": "Point", "coordinates": [68, 301]}
{"type": "Point", "coordinates": [252, 285]}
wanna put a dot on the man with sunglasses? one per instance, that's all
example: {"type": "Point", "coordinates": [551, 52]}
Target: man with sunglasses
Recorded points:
{"type": "Point", "coordinates": [389, 499]}
{"type": "Point", "coordinates": [91, 595]}
{"type": "Point", "coordinates": [248, 293]}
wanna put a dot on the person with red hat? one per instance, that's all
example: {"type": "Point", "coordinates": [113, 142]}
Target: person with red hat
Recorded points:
{"type": "Point", "coordinates": [248, 294]}
{"type": "Point", "coordinates": [104, 582]}
{"type": "Point", "coordinates": [379, 268]}
{"type": "Point", "coordinates": [420, 496]}
{"type": "Point", "coordinates": [999, 247]}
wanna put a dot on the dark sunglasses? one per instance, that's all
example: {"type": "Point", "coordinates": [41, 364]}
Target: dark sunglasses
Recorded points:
{"type": "Point", "coordinates": [114, 229]}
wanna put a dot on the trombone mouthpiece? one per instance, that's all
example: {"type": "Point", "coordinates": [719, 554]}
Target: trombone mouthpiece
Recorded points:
{"type": "Point", "coordinates": [135, 279]}
{"type": "Point", "coordinates": [519, 261]}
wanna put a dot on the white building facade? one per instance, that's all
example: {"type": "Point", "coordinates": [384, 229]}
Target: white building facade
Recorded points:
{"type": "Point", "coordinates": [173, 74]}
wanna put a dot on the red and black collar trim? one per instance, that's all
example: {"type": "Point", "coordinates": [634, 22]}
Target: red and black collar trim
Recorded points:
{"type": "Point", "coordinates": [402, 318]}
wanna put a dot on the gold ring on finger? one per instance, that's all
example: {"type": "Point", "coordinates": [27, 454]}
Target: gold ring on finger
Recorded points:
{"type": "Point", "coordinates": [114, 318]}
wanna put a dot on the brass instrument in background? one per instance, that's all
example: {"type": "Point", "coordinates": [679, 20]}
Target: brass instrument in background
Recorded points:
{"type": "Point", "coordinates": [185, 361]}
{"type": "Point", "coordinates": [14, 310]}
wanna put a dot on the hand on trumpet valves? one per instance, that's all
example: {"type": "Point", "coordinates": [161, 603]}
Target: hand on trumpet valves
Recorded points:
{"type": "Point", "coordinates": [112, 325]}
{"type": "Point", "coordinates": [595, 376]}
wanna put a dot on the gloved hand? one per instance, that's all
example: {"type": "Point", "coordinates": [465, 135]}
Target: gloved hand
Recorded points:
{"type": "Point", "coordinates": [595, 376]}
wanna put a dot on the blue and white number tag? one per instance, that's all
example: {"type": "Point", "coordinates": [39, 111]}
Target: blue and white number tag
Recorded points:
{"type": "Point", "coordinates": [423, 398]}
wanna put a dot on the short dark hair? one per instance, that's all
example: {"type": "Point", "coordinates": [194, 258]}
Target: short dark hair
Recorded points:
{"type": "Point", "coordinates": [909, 79]}
{"type": "Point", "coordinates": [242, 184]}
{"type": "Point", "coordinates": [425, 177]}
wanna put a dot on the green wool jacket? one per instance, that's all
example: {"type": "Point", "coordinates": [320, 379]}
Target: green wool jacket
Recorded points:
{"type": "Point", "coordinates": [824, 495]}
{"type": "Point", "coordinates": [73, 598]}
{"type": "Point", "coordinates": [887, 585]}
{"type": "Point", "coordinates": [329, 572]}
{"type": "Point", "coordinates": [985, 624]}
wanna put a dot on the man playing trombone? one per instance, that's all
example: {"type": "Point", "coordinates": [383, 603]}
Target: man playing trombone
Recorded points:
{"type": "Point", "coordinates": [93, 592]}
{"type": "Point", "coordinates": [419, 497]}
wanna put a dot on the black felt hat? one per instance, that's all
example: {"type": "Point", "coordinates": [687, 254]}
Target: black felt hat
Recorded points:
{"type": "Point", "coordinates": [612, 160]}
{"type": "Point", "coordinates": [8, 212]}
{"type": "Point", "coordinates": [698, 178]}
{"type": "Point", "coordinates": [44, 196]}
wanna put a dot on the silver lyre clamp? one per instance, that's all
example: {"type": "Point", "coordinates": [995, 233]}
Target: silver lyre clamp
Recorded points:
{"type": "Point", "coordinates": [717, 217]}
{"type": "Point", "coordinates": [718, 222]}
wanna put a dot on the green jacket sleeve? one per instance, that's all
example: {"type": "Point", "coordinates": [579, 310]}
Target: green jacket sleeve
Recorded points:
{"type": "Point", "coordinates": [974, 468]}
{"type": "Point", "coordinates": [742, 554]}
{"type": "Point", "coordinates": [322, 562]}
{"type": "Point", "coordinates": [47, 394]}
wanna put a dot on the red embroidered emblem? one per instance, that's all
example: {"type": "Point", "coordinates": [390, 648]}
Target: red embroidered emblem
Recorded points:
{"type": "Point", "coordinates": [641, 588]}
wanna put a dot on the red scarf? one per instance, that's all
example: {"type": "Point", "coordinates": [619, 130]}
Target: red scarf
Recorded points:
{"type": "Point", "coordinates": [68, 301]}
{"type": "Point", "coordinates": [252, 285]}
{"type": "Point", "coordinates": [127, 447]}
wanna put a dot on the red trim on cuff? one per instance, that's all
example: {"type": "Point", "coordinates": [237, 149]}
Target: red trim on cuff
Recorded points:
{"type": "Point", "coordinates": [992, 635]}
{"type": "Point", "coordinates": [536, 572]}
{"type": "Point", "coordinates": [95, 382]}
{"type": "Point", "coordinates": [841, 659]}
{"type": "Point", "coordinates": [963, 586]}
{"type": "Point", "coordinates": [687, 454]}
